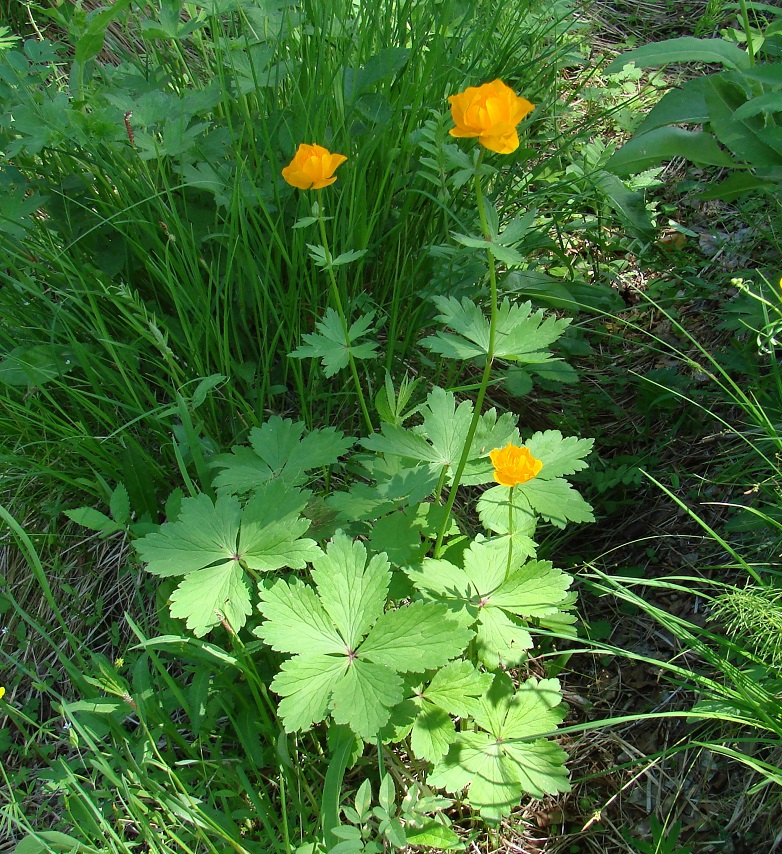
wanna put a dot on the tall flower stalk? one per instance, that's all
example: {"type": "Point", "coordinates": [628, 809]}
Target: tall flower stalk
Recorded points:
{"type": "Point", "coordinates": [342, 316]}
{"type": "Point", "coordinates": [490, 114]}
{"type": "Point", "coordinates": [476, 415]}
{"type": "Point", "coordinates": [312, 168]}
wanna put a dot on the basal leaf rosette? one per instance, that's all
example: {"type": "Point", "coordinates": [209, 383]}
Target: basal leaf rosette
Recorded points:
{"type": "Point", "coordinates": [509, 757]}
{"type": "Point", "coordinates": [347, 652]}
{"type": "Point", "coordinates": [215, 545]}
{"type": "Point", "coordinates": [494, 598]}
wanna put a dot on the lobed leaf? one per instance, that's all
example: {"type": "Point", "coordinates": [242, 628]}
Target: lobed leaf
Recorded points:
{"type": "Point", "coordinates": [270, 536]}
{"type": "Point", "coordinates": [203, 597]}
{"type": "Point", "coordinates": [334, 345]}
{"type": "Point", "coordinates": [492, 592]}
{"type": "Point", "coordinates": [415, 638]}
{"type": "Point", "coordinates": [560, 456]}
{"type": "Point", "coordinates": [296, 622]}
{"type": "Point", "coordinates": [405, 486]}
{"type": "Point", "coordinates": [432, 734]}
{"type": "Point", "coordinates": [365, 696]}
{"type": "Point", "coordinates": [507, 759]}
{"type": "Point", "coordinates": [519, 335]}
{"type": "Point", "coordinates": [439, 440]}
{"type": "Point", "coordinates": [279, 450]}
{"type": "Point", "coordinates": [556, 501]}
{"type": "Point", "coordinates": [305, 684]}
{"type": "Point", "coordinates": [456, 687]}
{"type": "Point", "coordinates": [352, 591]}
{"type": "Point", "coordinates": [500, 639]}
{"type": "Point", "coordinates": [204, 533]}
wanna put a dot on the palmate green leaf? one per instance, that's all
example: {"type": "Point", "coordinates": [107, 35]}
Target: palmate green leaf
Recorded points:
{"type": "Point", "coordinates": [494, 509]}
{"type": "Point", "coordinates": [202, 598]}
{"type": "Point", "coordinates": [335, 666]}
{"type": "Point", "coordinates": [560, 456]}
{"type": "Point", "coordinates": [556, 501]}
{"type": "Point", "coordinates": [455, 689]}
{"type": "Point", "coordinates": [520, 336]}
{"type": "Point", "coordinates": [204, 533]}
{"type": "Point", "coordinates": [406, 486]}
{"type": "Point", "coordinates": [534, 589]}
{"type": "Point", "coordinates": [397, 536]}
{"type": "Point", "coordinates": [476, 760]}
{"type": "Point", "coordinates": [279, 450]}
{"type": "Point", "coordinates": [305, 684]}
{"type": "Point", "coordinates": [501, 639]}
{"type": "Point", "coordinates": [432, 734]}
{"type": "Point", "coordinates": [332, 346]}
{"type": "Point", "coordinates": [443, 582]}
{"type": "Point", "coordinates": [351, 589]}
{"type": "Point", "coordinates": [212, 545]}
{"type": "Point", "coordinates": [364, 697]}
{"type": "Point", "coordinates": [492, 599]}
{"type": "Point", "coordinates": [509, 758]}
{"type": "Point", "coordinates": [270, 536]}
{"type": "Point", "coordinates": [440, 438]}
{"type": "Point", "coordinates": [400, 534]}
{"type": "Point", "coordinates": [415, 638]}
{"type": "Point", "coordinates": [458, 687]}
{"type": "Point", "coordinates": [296, 622]}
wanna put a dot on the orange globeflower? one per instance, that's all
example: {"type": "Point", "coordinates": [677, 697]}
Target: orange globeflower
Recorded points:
{"type": "Point", "coordinates": [490, 112]}
{"type": "Point", "coordinates": [312, 167]}
{"type": "Point", "coordinates": [514, 465]}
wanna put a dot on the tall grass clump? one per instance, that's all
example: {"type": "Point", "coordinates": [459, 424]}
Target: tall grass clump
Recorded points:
{"type": "Point", "coordinates": [152, 283]}
{"type": "Point", "coordinates": [731, 661]}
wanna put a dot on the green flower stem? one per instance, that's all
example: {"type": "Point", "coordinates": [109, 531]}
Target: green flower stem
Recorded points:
{"type": "Point", "coordinates": [342, 317]}
{"type": "Point", "coordinates": [747, 30]}
{"type": "Point", "coordinates": [486, 371]}
{"type": "Point", "coordinates": [510, 532]}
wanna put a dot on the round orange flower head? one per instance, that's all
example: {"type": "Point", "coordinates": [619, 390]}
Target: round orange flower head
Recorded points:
{"type": "Point", "coordinates": [312, 167]}
{"type": "Point", "coordinates": [514, 465]}
{"type": "Point", "coordinates": [490, 112]}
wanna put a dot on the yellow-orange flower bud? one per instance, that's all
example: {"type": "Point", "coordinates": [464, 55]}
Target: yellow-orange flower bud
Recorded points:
{"type": "Point", "coordinates": [312, 167]}
{"type": "Point", "coordinates": [514, 465]}
{"type": "Point", "coordinates": [490, 112]}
